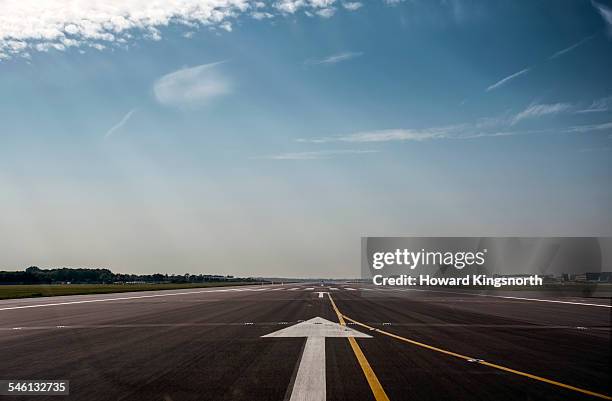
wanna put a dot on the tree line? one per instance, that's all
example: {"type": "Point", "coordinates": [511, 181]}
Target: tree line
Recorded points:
{"type": "Point", "coordinates": [35, 275]}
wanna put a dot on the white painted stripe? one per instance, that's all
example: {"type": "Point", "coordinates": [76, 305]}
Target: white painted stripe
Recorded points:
{"type": "Point", "coordinates": [308, 289]}
{"type": "Point", "coordinates": [102, 300]}
{"type": "Point", "coordinates": [507, 297]}
{"type": "Point", "coordinates": [333, 288]}
{"type": "Point", "coordinates": [87, 301]}
{"type": "Point", "coordinates": [547, 300]}
{"type": "Point", "coordinates": [293, 289]}
{"type": "Point", "coordinates": [350, 289]}
{"type": "Point", "coordinates": [309, 382]}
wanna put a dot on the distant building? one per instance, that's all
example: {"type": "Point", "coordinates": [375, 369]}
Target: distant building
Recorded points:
{"type": "Point", "coordinates": [595, 277]}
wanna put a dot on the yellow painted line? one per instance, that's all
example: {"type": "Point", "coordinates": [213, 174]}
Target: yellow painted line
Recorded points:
{"type": "Point", "coordinates": [485, 363]}
{"type": "Point", "coordinates": [375, 386]}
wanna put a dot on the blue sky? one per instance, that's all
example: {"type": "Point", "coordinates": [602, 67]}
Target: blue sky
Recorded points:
{"type": "Point", "coordinates": [265, 138]}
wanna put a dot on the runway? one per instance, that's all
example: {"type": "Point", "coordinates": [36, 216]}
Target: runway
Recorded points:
{"type": "Point", "coordinates": [209, 344]}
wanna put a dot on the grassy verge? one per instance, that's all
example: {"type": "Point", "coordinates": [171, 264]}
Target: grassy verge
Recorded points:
{"type": "Point", "coordinates": [52, 290]}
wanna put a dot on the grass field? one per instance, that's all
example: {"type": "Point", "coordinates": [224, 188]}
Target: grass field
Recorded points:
{"type": "Point", "coordinates": [52, 290]}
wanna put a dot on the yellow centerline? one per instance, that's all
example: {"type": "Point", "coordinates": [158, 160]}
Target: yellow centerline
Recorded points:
{"type": "Point", "coordinates": [472, 359]}
{"type": "Point", "coordinates": [375, 386]}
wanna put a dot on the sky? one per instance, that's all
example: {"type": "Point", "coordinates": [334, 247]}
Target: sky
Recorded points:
{"type": "Point", "coordinates": [261, 138]}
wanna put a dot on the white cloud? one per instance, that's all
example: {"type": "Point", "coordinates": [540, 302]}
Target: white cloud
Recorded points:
{"type": "Point", "coordinates": [335, 58]}
{"type": "Point", "coordinates": [606, 14]}
{"type": "Point", "coordinates": [352, 5]}
{"type": "Point", "coordinates": [41, 25]}
{"type": "Point", "coordinates": [539, 110]}
{"type": "Point", "coordinates": [120, 124]}
{"type": "Point", "coordinates": [319, 154]}
{"type": "Point", "coordinates": [226, 25]}
{"type": "Point", "coordinates": [507, 79]}
{"type": "Point", "coordinates": [290, 6]}
{"type": "Point", "coordinates": [259, 15]}
{"type": "Point", "coordinates": [192, 86]}
{"type": "Point", "coordinates": [326, 12]}
{"type": "Point", "coordinates": [48, 23]}
{"type": "Point", "coordinates": [293, 6]}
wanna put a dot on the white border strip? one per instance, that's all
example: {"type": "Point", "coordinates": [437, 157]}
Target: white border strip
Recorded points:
{"type": "Point", "coordinates": [86, 301]}
{"type": "Point", "coordinates": [504, 297]}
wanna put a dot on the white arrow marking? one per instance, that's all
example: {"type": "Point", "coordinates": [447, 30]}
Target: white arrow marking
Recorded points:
{"type": "Point", "coordinates": [321, 294]}
{"type": "Point", "coordinates": [309, 384]}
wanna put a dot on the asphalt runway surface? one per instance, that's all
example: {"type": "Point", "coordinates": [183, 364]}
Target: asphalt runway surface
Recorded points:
{"type": "Point", "coordinates": [207, 345]}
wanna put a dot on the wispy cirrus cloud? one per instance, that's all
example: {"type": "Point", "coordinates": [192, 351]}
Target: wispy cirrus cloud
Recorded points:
{"type": "Point", "coordinates": [507, 79]}
{"type": "Point", "coordinates": [497, 126]}
{"type": "Point", "coordinates": [570, 48]}
{"type": "Point", "coordinates": [193, 86]}
{"type": "Point", "coordinates": [120, 124]}
{"type": "Point", "coordinates": [453, 132]}
{"type": "Point", "coordinates": [581, 129]}
{"type": "Point", "coordinates": [606, 14]}
{"type": "Point", "coordinates": [319, 154]}
{"type": "Point", "coordinates": [539, 110]}
{"type": "Point", "coordinates": [504, 81]}
{"type": "Point", "coordinates": [334, 58]}
{"type": "Point", "coordinates": [489, 126]}
{"type": "Point", "coordinates": [388, 135]}
{"type": "Point", "coordinates": [598, 106]}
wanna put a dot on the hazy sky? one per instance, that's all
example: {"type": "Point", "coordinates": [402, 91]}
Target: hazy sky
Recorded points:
{"type": "Point", "coordinates": [265, 138]}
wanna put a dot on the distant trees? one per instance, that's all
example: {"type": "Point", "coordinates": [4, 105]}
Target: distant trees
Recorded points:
{"type": "Point", "coordinates": [18, 278]}
{"type": "Point", "coordinates": [35, 275]}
